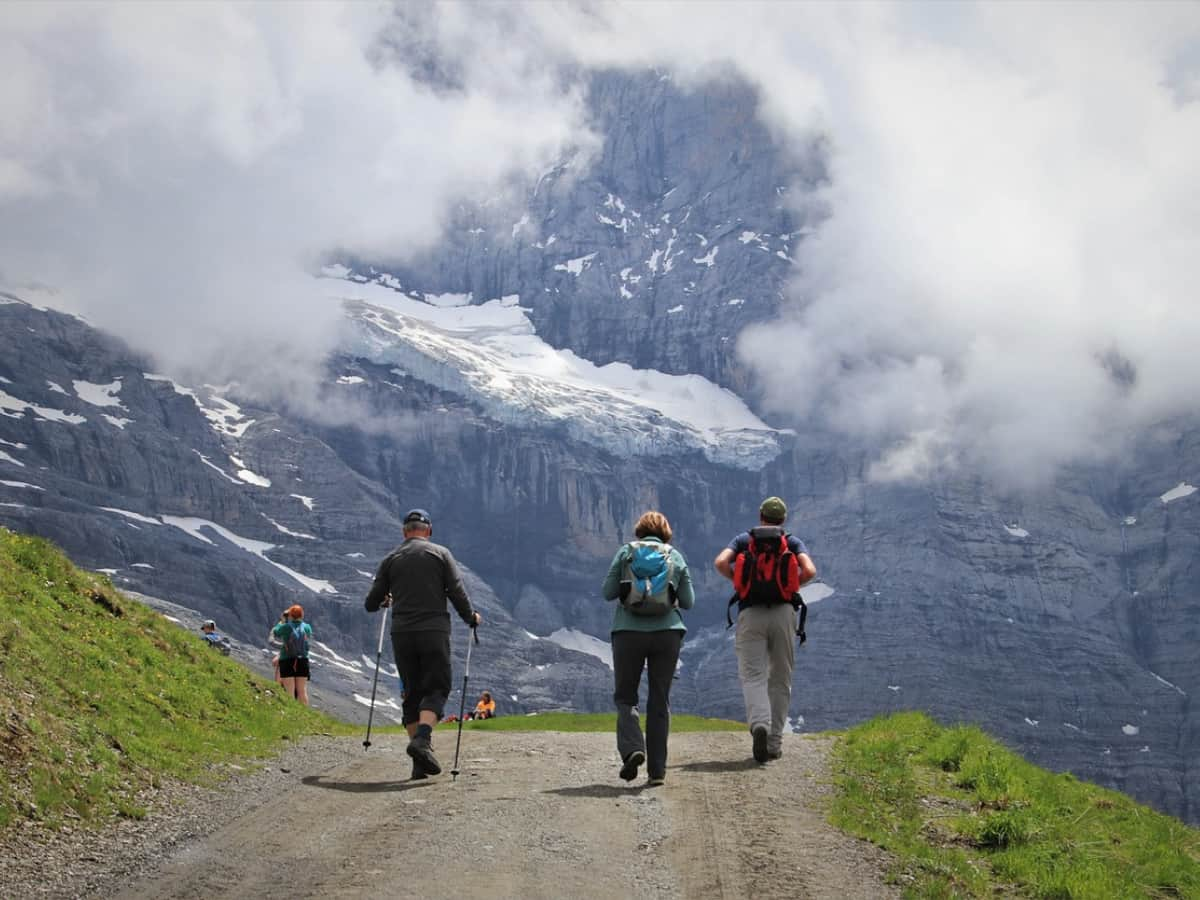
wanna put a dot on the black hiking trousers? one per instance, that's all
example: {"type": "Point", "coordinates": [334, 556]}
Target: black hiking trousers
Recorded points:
{"type": "Point", "coordinates": [423, 661]}
{"type": "Point", "coordinates": [657, 652]}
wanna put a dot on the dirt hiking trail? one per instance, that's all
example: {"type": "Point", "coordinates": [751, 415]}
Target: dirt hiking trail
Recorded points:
{"type": "Point", "coordinates": [540, 815]}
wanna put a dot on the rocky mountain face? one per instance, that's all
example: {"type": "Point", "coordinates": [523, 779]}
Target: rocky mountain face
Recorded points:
{"type": "Point", "coordinates": [233, 512]}
{"type": "Point", "coordinates": [1064, 621]}
{"type": "Point", "coordinates": [658, 250]}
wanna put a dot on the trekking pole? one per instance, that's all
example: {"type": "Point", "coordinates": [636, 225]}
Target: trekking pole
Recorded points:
{"type": "Point", "coordinates": [462, 703]}
{"type": "Point", "coordinates": [375, 681]}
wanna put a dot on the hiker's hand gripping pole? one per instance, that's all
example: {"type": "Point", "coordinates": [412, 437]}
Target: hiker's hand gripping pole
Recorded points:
{"type": "Point", "coordinates": [387, 606]}
{"type": "Point", "coordinates": [462, 703]}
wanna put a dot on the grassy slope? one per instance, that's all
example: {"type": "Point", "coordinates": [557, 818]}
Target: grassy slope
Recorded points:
{"type": "Point", "coordinates": [965, 815]}
{"type": "Point", "coordinates": [100, 696]}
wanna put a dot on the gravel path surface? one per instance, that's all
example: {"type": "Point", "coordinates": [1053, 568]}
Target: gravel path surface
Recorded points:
{"type": "Point", "coordinates": [539, 815]}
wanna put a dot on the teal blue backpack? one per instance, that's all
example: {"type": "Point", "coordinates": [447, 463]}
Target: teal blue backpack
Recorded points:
{"type": "Point", "coordinates": [295, 644]}
{"type": "Point", "coordinates": [647, 587]}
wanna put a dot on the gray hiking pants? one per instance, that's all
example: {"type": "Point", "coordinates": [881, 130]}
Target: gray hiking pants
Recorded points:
{"type": "Point", "coordinates": [657, 652]}
{"type": "Point", "coordinates": [766, 653]}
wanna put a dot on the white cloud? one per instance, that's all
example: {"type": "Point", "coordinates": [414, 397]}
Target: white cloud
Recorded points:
{"type": "Point", "coordinates": [177, 169]}
{"type": "Point", "coordinates": [1003, 280]}
{"type": "Point", "coordinates": [999, 274]}
{"type": "Point", "coordinates": [1002, 268]}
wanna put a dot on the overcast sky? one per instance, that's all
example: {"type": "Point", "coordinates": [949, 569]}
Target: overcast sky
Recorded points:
{"type": "Point", "coordinates": [1006, 280]}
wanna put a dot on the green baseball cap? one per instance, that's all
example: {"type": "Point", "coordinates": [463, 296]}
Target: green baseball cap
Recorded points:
{"type": "Point", "coordinates": [773, 510]}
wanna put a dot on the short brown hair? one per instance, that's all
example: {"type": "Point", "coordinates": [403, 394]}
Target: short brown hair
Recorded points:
{"type": "Point", "coordinates": [653, 524]}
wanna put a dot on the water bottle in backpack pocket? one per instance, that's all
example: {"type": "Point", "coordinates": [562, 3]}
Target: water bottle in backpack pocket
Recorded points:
{"type": "Point", "coordinates": [647, 577]}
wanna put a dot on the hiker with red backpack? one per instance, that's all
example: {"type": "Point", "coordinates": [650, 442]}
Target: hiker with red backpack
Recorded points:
{"type": "Point", "coordinates": [767, 567]}
{"type": "Point", "coordinates": [294, 633]}
{"type": "Point", "coordinates": [650, 579]}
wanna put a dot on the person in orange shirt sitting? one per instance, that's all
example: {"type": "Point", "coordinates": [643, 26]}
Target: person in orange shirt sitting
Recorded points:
{"type": "Point", "coordinates": [486, 707]}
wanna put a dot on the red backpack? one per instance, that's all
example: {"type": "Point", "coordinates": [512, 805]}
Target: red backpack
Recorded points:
{"type": "Point", "coordinates": [767, 572]}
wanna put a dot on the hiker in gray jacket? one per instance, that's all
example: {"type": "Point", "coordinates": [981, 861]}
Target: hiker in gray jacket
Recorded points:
{"type": "Point", "coordinates": [650, 579]}
{"type": "Point", "coordinates": [420, 576]}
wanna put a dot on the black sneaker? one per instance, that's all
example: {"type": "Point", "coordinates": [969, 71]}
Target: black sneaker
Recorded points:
{"type": "Point", "coordinates": [418, 773]}
{"type": "Point", "coordinates": [630, 769]}
{"type": "Point", "coordinates": [774, 754]}
{"type": "Point", "coordinates": [760, 743]}
{"type": "Point", "coordinates": [421, 751]}
{"type": "Point", "coordinates": [655, 781]}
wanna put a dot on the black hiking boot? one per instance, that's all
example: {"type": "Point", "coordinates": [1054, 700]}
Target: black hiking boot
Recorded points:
{"type": "Point", "coordinates": [630, 768]}
{"type": "Point", "coordinates": [760, 743]}
{"type": "Point", "coordinates": [421, 750]}
{"type": "Point", "coordinates": [418, 773]}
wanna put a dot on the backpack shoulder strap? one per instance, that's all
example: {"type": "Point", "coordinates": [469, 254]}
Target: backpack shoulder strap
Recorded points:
{"type": "Point", "coordinates": [630, 550]}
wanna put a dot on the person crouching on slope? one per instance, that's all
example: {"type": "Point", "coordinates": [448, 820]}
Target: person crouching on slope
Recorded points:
{"type": "Point", "coordinates": [650, 579]}
{"type": "Point", "coordinates": [421, 576]}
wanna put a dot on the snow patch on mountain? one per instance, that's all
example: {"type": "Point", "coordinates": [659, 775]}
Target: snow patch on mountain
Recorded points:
{"type": "Point", "coordinates": [575, 266]}
{"type": "Point", "coordinates": [193, 526]}
{"type": "Point", "coordinates": [226, 417]}
{"type": "Point", "coordinates": [1181, 490]}
{"type": "Point", "coordinates": [491, 354]}
{"type": "Point", "coordinates": [816, 591]}
{"type": "Point", "coordinates": [22, 484]}
{"type": "Point", "coordinates": [15, 408]}
{"type": "Point", "coordinates": [99, 394]}
{"type": "Point", "coordinates": [137, 517]}
{"type": "Point", "coordinates": [1166, 683]}
{"type": "Point", "coordinates": [327, 654]}
{"type": "Point", "coordinates": [285, 530]}
{"type": "Point", "coordinates": [448, 300]}
{"type": "Point", "coordinates": [204, 459]}
{"type": "Point", "coordinates": [247, 476]}
{"type": "Point", "coordinates": [570, 639]}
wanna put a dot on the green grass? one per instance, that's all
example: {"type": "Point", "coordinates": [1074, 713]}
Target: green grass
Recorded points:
{"type": "Point", "coordinates": [966, 817]}
{"type": "Point", "coordinates": [602, 722]}
{"type": "Point", "coordinates": [101, 697]}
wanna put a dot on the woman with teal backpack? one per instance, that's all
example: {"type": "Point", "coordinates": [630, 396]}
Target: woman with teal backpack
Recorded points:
{"type": "Point", "coordinates": [294, 633]}
{"type": "Point", "coordinates": [650, 580]}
